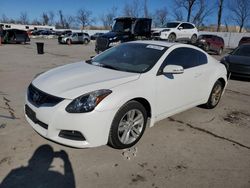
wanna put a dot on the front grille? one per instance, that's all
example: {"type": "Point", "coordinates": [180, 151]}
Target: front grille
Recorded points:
{"type": "Point", "coordinates": [71, 135]}
{"type": "Point", "coordinates": [156, 34]}
{"type": "Point", "coordinates": [102, 44]}
{"type": "Point", "coordinates": [39, 98]}
{"type": "Point", "coordinates": [32, 115]}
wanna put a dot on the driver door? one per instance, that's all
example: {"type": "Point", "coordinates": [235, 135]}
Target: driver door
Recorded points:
{"type": "Point", "coordinates": [177, 92]}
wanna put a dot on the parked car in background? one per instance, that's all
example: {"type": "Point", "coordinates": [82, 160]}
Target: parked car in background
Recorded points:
{"type": "Point", "coordinates": [124, 29]}
{"type": "Point", "coordinates": [37, 32]}
{"type": "Point", "coordinates": [244, 40]}
{"type": "Point", "coordinates": [48, 32]}
{"type": "Point", "coordinates": [73, 106]}
{"type": "Point", "coordinates": [94, 37]}
{"type": "Point", "coordinates": [238, 61]}
{"type": "Point", "coordinates": [15, 36]}
{"type": "Point", "coordinates": [176, 31]}
{"type": "Point", "coordinates": [63, 33]}
{"type": "Point", "coordinates": [75, 38]}
{"type": "Point", "coordinates": [211, 43]}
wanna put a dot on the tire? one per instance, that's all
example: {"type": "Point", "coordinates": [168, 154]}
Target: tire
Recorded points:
{"type": "Point", "coordinates": [215, 95]}
{"type": "Point", "coordinates": [219, 52]}
{"type": "Point", "coordinates": [85, 41]}
{"type": "Point", "coordinates": [193, 39]}
{"type": "Point", "coordinates": [69, 42]}
{"type": "Point", "coordinates": [207, 47]}
{"type": "Point", "coordinates": [124, 133]}
{"type": "Point", "coordinates": [172, 37]}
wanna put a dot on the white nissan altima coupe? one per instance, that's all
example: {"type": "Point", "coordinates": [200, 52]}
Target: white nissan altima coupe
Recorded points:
{"type": "Point", "coordinates": [113, 97]}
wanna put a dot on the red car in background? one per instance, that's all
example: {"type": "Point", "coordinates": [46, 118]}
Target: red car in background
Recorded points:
{"type": "Point", "coordinates": [244, 40]}
{"type": "Point", "coordinates": [211, 43]}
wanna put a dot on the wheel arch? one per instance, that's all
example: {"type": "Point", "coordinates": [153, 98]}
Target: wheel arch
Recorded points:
{"type": "Point", "coordinates": [145, 104]}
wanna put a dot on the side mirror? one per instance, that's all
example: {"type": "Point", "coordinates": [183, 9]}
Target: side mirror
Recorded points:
{"type": "Point", "coordinates": [173, 69]}
{"type": "Point", "coordinates": [91, 57]}
{"type": "Point", "coordinates": [180, 28]}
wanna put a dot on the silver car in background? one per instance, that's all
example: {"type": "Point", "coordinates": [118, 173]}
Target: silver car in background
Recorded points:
{"type": "Point", "coordinates": [74, 38]}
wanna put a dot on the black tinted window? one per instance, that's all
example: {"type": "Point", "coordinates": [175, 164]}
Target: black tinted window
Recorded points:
{"type": "Point", "coordinates": [187, 26]}
{"type": "Point", "coordinates": [80, 34]}
{"type": "Point", "coordinates": [186, 57]}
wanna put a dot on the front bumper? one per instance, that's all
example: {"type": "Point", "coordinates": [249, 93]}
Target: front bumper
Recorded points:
{"type": "Point", "coordinates": [94, 126]}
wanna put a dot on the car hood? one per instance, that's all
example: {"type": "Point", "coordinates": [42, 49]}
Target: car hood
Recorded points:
{"type": "Point", "coordinates": [243, 60]}
{"type": "Point", "coordinates": [155, 30]}
{"type": "Point", "coordinates": [73, 80]}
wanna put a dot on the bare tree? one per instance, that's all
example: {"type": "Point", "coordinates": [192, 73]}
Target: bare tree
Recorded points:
{"type": "Point", "coordinates": [36, 22]}
{"type": "Point", "coordinates": [240, 10]}
{"type": "Point", "coordinates": [84, 17]}
{"type": "Point", "coordinates": [188, 5]}
{"type": "Point", "coordinates": [203, 11]}
{"type": "Point", "coordinates": [107, 19]}
{"type": "Point", "coordinates": [132, 10]}
{"type": "Point", "coordinates": [4, 18]}
{"type": "Point", "coordinates": [61, 23]}
{"type": "Point", "coordinates": [69, 21]}
{"type": "Point", "coordinates": [24, 18]}
{"type": "Point", "coordinates": [51, 17]}
{"type": "Point", "coordinates": [160, 17]}
{"type": "Point", "coordinates": [220, 9]}
{"type": "Point", "coordinates": [45, 18]}
{"type": "Point", "coordinates": [145, 9]}
{"type": "Point", "coordinates": [178, 15]}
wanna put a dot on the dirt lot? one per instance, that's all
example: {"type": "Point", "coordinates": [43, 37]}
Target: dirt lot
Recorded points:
{"type": "Point", "coordinates": [196, 148]}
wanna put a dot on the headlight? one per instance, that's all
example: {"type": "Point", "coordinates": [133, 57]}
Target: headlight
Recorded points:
{"type": "Point", "coordinates": [87, 102]}
{"type": "Point", "coordinates": [114, 38]}
{"type": "Point", "coordinates": [202, 40]}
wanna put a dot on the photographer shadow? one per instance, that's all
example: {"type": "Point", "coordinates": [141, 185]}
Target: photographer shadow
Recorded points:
{"type": "Point", "coordinates": [38, 172]}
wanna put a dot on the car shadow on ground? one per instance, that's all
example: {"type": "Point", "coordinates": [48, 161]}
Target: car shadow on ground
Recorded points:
{"type": "Point", "coordinates": [38, 173]}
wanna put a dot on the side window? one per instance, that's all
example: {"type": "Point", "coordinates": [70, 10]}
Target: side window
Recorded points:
{"type": "Point", "coordinates": [79, 34]}
{"type": "Point", "coordinates": [182, 25]}
{"type": "Point", "coordinates": [190, 26]}
{"type": "Point", "coordinates": [185, 57]}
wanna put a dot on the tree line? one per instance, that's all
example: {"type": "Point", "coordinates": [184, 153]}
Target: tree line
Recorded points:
{"type": "Point", "coordinates": [195, 11]}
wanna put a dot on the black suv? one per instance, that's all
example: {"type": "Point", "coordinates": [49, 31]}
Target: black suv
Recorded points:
{"type": "Point", "coordinates": [124, 29]}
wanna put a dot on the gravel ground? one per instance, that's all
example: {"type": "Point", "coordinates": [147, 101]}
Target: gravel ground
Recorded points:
{"type": "Point", "coordinates": [196, 148]}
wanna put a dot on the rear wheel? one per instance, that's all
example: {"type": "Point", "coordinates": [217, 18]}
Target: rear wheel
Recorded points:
{"type": "Point", "coordinates": [128, 125]}
{"type": "Point", "coordinates": [172, 37]}
{"type": "Point", "coordinates": [85, 41]}
{"type": "Point", "coordinates": [215, 95]}
{"type": "Point", "coordinates": [193, 39]}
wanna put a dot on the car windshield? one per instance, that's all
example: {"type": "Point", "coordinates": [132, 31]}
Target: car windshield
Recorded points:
{"type": "Point", "coordinates": [172, 24]}
{"type": "Point", "coordinates": [242, 51]}
{"type": "Point", "coordinates": [130, 57]}
{"type": "Point", "coordinates": [122, 26]}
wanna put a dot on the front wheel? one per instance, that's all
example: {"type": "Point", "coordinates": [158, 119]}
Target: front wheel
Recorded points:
{"type": "Point", "coordinates": [215, 95]}
{"type": "Point", "coordinates": [172, 37]}
{"type": "Point", "coordinates": [69, 42]}
{"type": "Point", "coordinates": [128, 125]}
